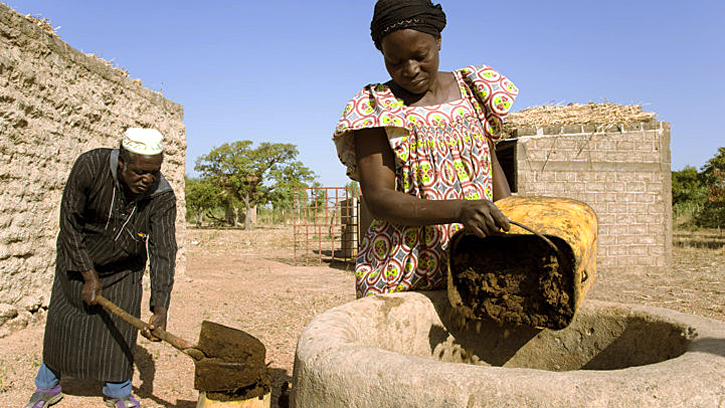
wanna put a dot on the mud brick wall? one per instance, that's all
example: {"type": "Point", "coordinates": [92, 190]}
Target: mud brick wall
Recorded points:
{"type": "Point", "coordinates": [622, 172]}
{"type": "Point", "coordinates": [56, 103]}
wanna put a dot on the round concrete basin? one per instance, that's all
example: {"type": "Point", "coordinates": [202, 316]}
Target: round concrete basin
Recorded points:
{"type": "Point", "coordinates": [409, 350]}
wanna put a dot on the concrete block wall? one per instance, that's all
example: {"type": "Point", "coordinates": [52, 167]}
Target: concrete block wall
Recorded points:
{"type": "Point", "coordinates": [622, 172]}
{"type": "Point", "coordinates": [55, 103]}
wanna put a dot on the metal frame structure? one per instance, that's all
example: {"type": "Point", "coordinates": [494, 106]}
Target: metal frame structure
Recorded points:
{"type": "Point", "coordinates": [325, 224]}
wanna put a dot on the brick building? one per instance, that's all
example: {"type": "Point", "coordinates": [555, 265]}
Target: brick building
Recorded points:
{"type": "Point", "coordinates": [614, 158]}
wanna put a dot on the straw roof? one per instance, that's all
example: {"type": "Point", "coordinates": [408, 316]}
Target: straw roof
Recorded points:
{"type": "Point", "coordinates": [598, 114]}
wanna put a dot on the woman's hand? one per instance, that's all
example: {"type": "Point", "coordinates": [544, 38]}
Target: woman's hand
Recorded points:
{"type": "Point", "coordinates": [482, 217]}
{"type": "Point", "coordinates": [92, 287]}
{"type": "Point", "coordinates": [158, 319]}
{"type": "Point", "coordinates": [376, 162]}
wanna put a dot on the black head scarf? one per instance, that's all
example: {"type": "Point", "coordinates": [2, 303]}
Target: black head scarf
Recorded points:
{"type": "Point", "coordinates": [394, 15]}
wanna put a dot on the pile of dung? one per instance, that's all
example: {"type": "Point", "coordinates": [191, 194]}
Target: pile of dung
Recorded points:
{"type": "Point", "coordinates": [235, 368]}
{"type": "Point", "coordinates": [514, 279]}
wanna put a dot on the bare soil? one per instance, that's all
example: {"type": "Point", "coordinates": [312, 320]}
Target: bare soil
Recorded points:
{"type": "Point", "coordinates": [247, 280]}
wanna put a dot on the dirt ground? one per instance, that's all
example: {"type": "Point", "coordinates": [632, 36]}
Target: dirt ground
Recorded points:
{"type": "Point", "coordinates": [247, 280]}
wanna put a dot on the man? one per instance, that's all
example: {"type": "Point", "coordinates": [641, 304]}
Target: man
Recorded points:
{"type": "Point", "coordinates": [116, 204]}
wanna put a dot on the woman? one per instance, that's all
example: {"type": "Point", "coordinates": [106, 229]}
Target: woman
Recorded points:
{"type": "Point", "coordinates": [421, 146]}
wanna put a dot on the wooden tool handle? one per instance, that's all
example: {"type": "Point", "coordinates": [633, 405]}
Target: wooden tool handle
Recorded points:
{"type": "Point", "coordinates": [177, 342]}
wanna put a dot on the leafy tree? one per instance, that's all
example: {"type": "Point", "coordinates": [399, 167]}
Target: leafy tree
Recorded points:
{"type": "Point", "coordinates": [688, 196]}
{"type": "Point", "coordinates": [713, 176]}
{"type": "Point", "coordinates": [287, 178]}
{"type": "Point", "coordinates": [687, 186]}
{"type": "Point", "coordinates": [353, 188]}
{"type": "Point", "coordinates": [202, 196]}
{"type": "Point", "coordinates": [319, 198]}
{"type": "Point", "coordinates": [250, 175]}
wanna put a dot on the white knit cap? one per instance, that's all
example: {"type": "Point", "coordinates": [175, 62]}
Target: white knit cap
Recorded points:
{"type": "Point", "coordinates": [143, 141]}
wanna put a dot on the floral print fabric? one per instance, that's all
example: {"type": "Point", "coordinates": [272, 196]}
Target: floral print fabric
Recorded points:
{"type": "Point", "coordinates": [441, 152]}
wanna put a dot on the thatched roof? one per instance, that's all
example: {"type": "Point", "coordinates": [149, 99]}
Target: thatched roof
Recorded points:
{"type": "Point", "coordinates": [607, 113]}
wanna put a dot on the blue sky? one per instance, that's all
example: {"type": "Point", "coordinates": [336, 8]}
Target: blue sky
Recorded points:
{"type": "Point", "coordinates": [281, 71]}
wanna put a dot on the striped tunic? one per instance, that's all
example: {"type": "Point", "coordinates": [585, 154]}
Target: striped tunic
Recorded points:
{"type": "Point", "coordinates": [100, 229]}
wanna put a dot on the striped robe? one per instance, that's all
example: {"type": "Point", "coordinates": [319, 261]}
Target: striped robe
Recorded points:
{"type": "Point", "coordinates": [100, 229]}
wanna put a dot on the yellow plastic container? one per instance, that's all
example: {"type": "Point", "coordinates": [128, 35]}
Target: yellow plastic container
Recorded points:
{"type": "Point", "coordinates": [517, 277]}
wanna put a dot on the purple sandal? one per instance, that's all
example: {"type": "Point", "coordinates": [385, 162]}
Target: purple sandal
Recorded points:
{"type": "Point", "coordinates": [43, 398]}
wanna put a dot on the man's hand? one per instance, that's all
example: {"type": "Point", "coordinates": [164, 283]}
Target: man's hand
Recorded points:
{"type": "Point", "coordinates": [92, 286]}
{"type": "Point", "coordinates": [158, 319]}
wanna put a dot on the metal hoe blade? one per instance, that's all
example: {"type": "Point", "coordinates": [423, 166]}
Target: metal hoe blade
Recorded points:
{"type": "Point", "coordinates": [226, 359]}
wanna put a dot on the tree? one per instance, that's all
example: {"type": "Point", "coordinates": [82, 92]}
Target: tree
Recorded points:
{"type": "Point", "coordinates": [688, 196]}
{"type": "Point", "coordinates": [319, 199]}
{"type": "Point", "coordinates": [249, 175]}
{"type": "Point", "coordinates": [687, 186]}
{"type": "Point", "coordinates": [287, 178]}
{"type": "Point", "coordinates": [202, 196]}
{"type": "Point", "coordinates": [713, 176]}
{"type": "Point", "coordinates": [353, 188]}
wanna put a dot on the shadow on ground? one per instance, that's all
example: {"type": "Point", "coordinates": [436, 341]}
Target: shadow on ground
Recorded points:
{"type": "Point", "coordinates": [147, 372]}
{"type": "Point", "coordinates": [279, 377]}
{"type": "Point", "coordinates": [318, 258]}
{"type": "Point", "coordinates": [92, 388]}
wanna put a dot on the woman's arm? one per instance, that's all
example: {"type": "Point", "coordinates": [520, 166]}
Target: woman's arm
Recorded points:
{"type": "Point", "coordinates": [501, 187]}
{"type": "Point", "coordinates": [376, 162]}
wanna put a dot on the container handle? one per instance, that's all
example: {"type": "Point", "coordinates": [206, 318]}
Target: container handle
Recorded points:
{"type": "Point", "coordinates": [553, 246]}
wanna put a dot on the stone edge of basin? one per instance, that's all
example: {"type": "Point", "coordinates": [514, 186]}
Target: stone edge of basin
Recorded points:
{"type": "Point", "coordinates": [336, 366]}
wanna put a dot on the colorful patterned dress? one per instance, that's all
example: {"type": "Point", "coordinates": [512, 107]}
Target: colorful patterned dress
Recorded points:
{"type": "Point", "coordinates": [441, 152]}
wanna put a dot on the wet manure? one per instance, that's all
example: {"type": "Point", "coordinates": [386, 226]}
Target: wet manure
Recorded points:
{"type": "Point", "coordinates": [514, 279]}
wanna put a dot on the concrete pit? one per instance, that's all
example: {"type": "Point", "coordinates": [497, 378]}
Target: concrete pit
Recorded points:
{"type": "Point", "coordinates": [409, 350]}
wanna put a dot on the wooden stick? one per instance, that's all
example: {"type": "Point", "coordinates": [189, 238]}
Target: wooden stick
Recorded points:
{"type": "Point", "coordinates": [177, 342]}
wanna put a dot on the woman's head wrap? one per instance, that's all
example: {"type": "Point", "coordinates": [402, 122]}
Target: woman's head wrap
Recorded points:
{"type": "Point", "coordinates": [394, 15]}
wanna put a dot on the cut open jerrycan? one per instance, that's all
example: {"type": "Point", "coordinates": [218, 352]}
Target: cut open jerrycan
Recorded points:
{"type": "Point", "coordinates": [536, 274]}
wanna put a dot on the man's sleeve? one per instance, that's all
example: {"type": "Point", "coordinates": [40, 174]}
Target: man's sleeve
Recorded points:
{"type": "Point", "coordinates": [72, 220]}
{"type": "Point", "coordinates": [162, 250]}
